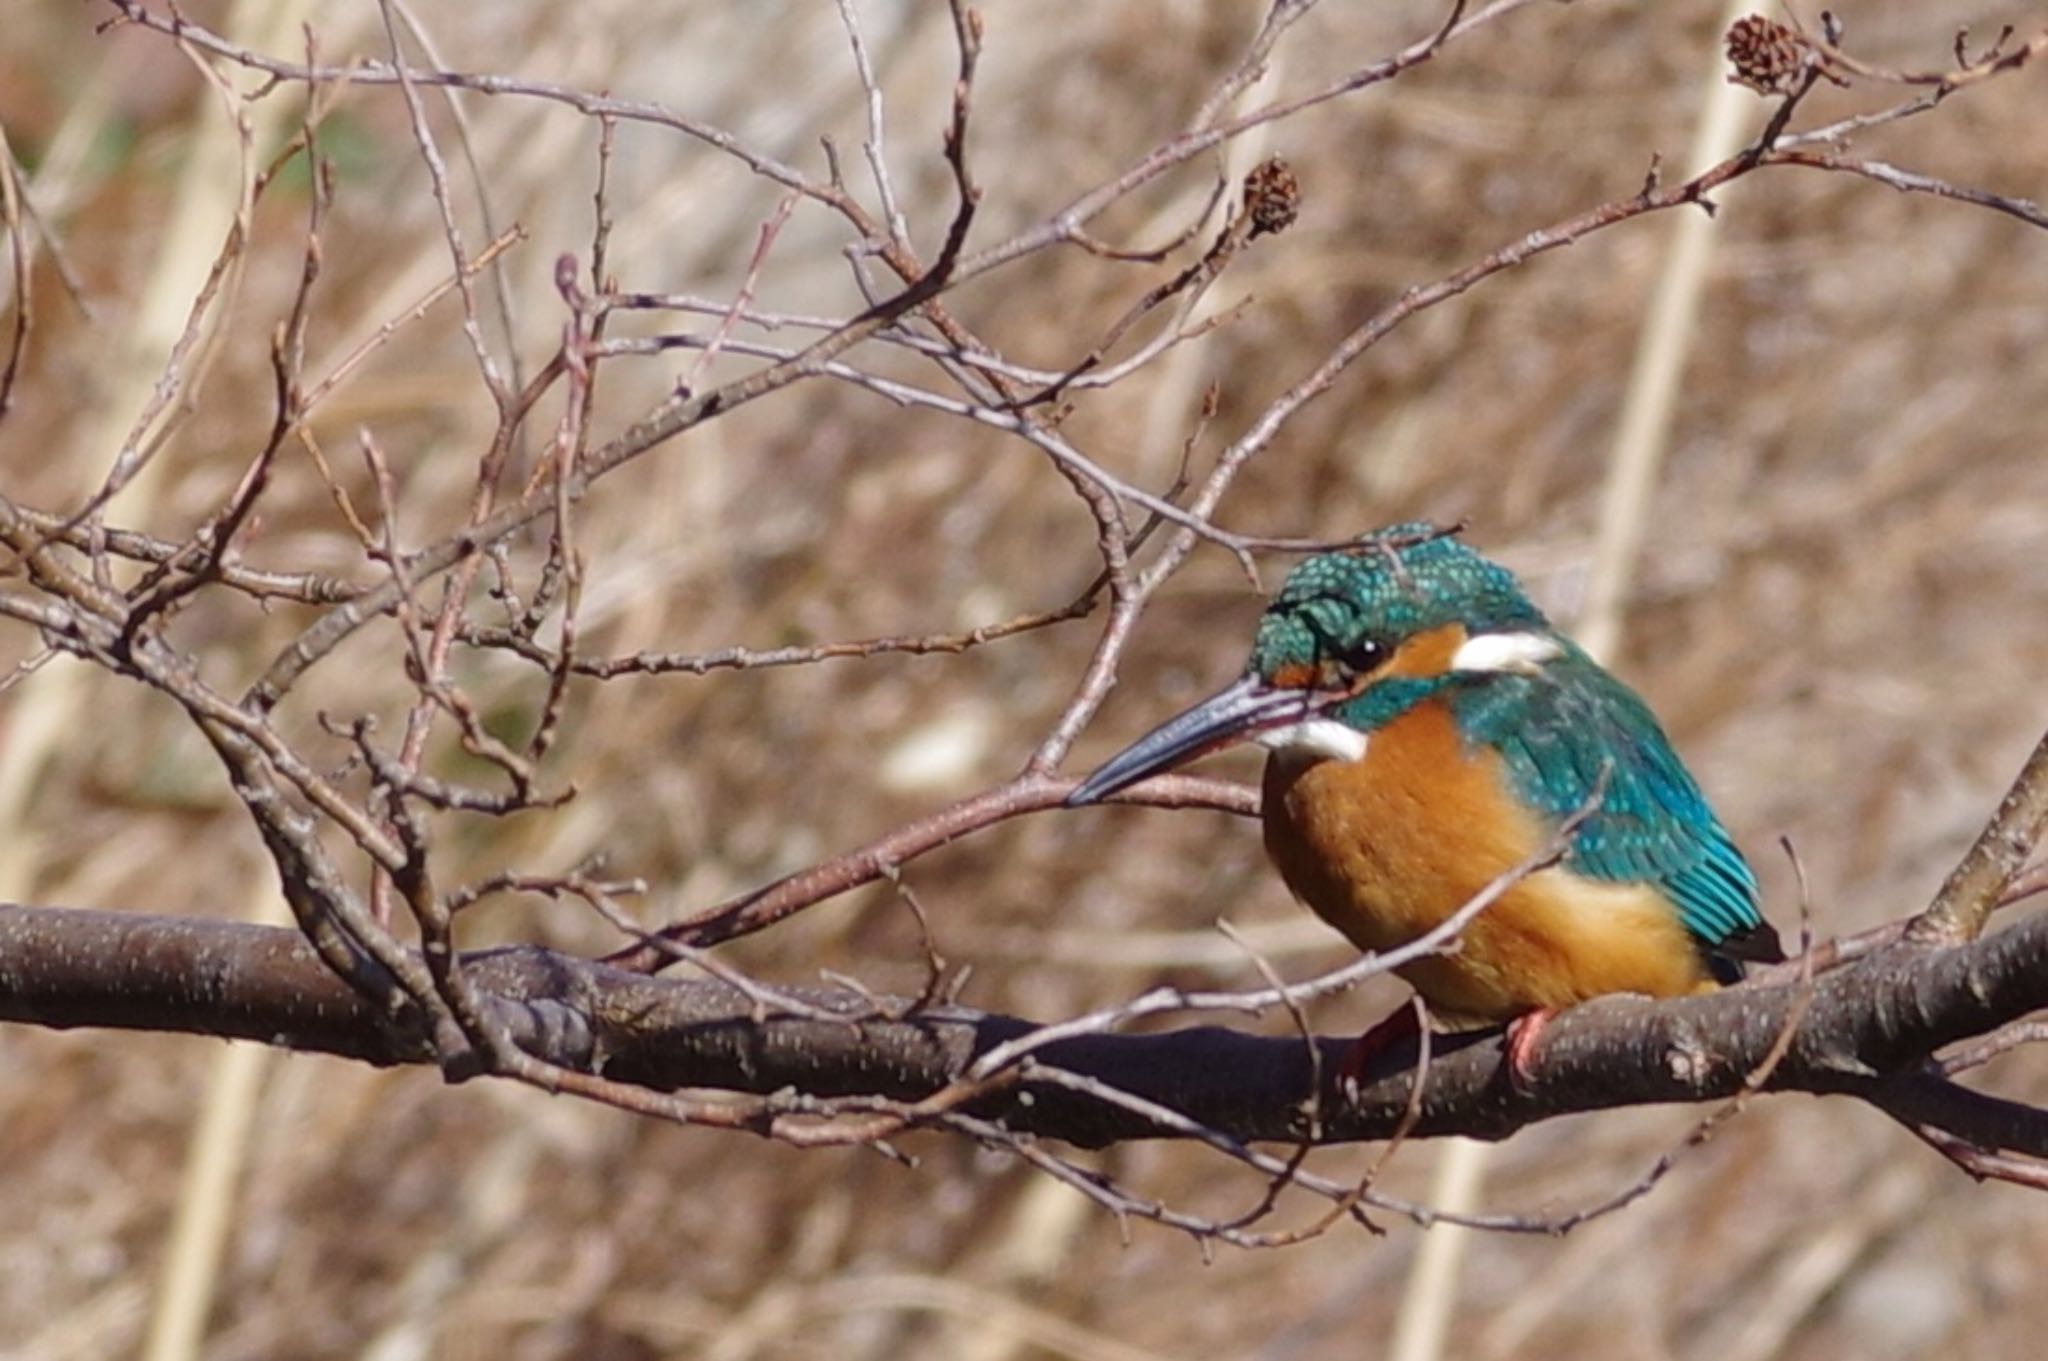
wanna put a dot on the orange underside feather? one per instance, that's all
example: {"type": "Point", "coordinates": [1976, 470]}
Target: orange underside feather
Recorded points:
{"type": "Point", "coordinates": [1387, 847]}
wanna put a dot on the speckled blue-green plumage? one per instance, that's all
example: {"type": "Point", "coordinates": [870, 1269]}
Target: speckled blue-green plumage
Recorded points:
{"type": "Point", "coordinates": [1387, 596]}
{"type": "Point", "coordinates": [1557, 731]}
{"type": "Point", "coordinates": [1556, 728]}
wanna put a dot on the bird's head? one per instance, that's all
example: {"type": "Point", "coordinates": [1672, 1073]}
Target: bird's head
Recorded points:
{"type": "Point", "coordinates": [1354, 639]}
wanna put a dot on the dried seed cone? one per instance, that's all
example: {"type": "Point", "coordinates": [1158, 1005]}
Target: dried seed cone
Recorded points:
{"type": "Point", "coordinates": [1767, 56]}
{"type": "Point", "coordinates": [1272, 195]}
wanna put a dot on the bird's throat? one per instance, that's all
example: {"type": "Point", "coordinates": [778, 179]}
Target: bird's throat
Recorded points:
{"type": "Point", "coordinates": [1314, 739]}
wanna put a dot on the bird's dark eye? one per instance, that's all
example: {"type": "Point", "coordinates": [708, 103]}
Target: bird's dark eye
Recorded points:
{"type": "Point", "coordinates": [1362, 656]}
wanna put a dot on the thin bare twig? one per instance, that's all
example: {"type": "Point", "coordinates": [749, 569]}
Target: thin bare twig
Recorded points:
{"type": "Point", "coordinates": [1975, 887]}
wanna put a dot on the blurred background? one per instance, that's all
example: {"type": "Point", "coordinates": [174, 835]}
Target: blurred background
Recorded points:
{"type": "Point", "coordinates": [1837, 613]}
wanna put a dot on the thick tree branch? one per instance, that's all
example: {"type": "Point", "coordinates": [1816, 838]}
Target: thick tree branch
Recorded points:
{"type": "Point", "coordinates": [1866, 1032]}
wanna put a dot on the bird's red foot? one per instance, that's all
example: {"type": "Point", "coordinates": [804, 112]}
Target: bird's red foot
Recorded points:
{"type": "Point", "coordinates": [1523, 1033]}
{"type": "Point", "coordinates": [1398, 1028]}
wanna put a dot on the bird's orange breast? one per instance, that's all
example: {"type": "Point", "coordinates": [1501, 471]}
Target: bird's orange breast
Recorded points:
{"type": "Point", "coordinates": [1387, 847]}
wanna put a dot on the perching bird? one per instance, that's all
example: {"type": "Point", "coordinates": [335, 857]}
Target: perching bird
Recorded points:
{"type": "Point", "coordinates": [1429, 731]}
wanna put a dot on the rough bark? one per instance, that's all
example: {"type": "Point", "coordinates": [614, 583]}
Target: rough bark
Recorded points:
{"type": "Point", "coordinates": [1865, 1030]}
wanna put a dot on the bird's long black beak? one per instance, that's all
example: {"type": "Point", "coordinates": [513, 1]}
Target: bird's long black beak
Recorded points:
{"type": "Point", "coordinates": [1249, 706]}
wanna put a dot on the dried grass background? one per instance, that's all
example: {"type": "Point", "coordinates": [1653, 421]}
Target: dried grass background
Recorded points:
{"type": "Point", "coordinates": [1840, 618]}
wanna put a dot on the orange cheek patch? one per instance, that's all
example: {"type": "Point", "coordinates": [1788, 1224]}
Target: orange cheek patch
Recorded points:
{"type": "Point", "coordinates": [1295, 676]}
{"type": "Point", "coordinates": [1427, 654]}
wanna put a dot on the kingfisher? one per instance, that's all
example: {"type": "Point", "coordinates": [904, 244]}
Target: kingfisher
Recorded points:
{"type": "Point", "coordinates": [1428, 730]}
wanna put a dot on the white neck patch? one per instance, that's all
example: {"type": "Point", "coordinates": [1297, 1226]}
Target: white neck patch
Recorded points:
{"type": "Point", "coordinates": [1522, 653]}
{"type": "Point", "coordinates": [1316, 738]}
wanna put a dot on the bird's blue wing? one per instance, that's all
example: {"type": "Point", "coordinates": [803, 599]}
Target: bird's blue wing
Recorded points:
{"type": "Point", "coordinates": [1557, 731]}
